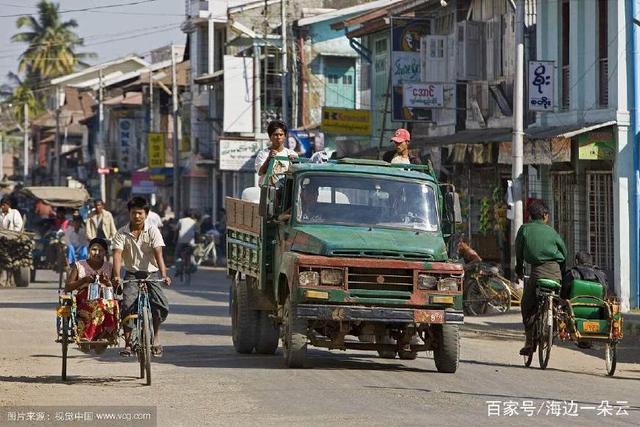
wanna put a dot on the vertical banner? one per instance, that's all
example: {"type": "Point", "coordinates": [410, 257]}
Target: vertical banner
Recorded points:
{"type": "Point", "coordinates": [126, 139]}
{"type": "Point", "coordinates": [155, 150]}
{"type": "Point", "coordinates": [405, 66]}
{"type": "Point", "coordinates": [541, 85]}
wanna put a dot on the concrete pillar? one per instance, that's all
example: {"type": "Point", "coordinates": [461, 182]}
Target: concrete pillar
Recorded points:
{"type": "Point", "coordinates": [622, 216]}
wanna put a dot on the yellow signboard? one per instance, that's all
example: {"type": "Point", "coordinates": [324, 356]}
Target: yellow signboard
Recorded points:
{"type": "Point", "coordinates": [346, 121]}
{"type": "Point", "coordinates": [155, 150]}
{"type": "Point", "coordinates": [597, 145]}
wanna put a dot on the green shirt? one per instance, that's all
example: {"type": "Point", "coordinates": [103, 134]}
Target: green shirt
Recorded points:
{"type": "Point", "coordinates": [537, 243]}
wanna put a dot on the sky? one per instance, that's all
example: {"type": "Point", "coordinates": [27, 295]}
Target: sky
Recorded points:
{"type": "Point", "coordinates": [111, 32]}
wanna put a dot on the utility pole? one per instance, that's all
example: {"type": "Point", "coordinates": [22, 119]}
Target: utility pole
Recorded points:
{"type": "Point", "coordinates": [25, 171]}
{"type": "Point", "coordinates": [101, 150]}
{"type": "Point", "coordinates": [176, 160]}
{"type": "Point", "coordinates": [285, 65]}
{"type": "Point", "coordinates": [58, 148]}
{"type": "Point", "coordinates": [257, 114]}
{"type": "Point", "coordinates": [517, 145]}
{"type": "Point", "coordinates": [151, 124]}
{"type": "Point", "coordinates": [1, 156]}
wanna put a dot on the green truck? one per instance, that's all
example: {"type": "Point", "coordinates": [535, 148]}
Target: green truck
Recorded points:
{"type": "Point", "coordinates": [343, 255]}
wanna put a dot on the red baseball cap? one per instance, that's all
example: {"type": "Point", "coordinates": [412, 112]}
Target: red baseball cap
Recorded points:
{"type": "Point", "coordinates": [401, 135]}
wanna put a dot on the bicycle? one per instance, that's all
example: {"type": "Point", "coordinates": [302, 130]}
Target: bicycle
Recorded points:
{"type": "Point", "coordinates": [545, 326]}
{"type": "Point", "coordinates": [185, 265]}
{"type": "Point", "coordinates": [203, 252]}
{"type": "Point", "coordinates": [142, 329]}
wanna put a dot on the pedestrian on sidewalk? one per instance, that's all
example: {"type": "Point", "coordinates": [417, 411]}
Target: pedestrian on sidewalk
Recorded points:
{"type": "Point", "coordinates": [138, 248]}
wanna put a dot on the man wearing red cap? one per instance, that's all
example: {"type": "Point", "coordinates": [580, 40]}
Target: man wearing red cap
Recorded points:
{"type": "Point", "coordinates": [401, 154]}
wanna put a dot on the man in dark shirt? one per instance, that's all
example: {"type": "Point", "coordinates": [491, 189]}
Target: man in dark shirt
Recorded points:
{"type": "Point", "coordinates": [584, 270]}
{"type": "Point", "coordinates": [540, 246]}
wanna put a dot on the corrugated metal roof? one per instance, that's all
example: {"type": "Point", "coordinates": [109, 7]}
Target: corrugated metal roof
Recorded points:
{"type": "Point", "coordinates": [346, 11]}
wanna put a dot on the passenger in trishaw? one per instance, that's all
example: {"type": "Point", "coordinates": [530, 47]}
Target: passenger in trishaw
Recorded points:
{"type": "Point", "coordinates": [97, 319]}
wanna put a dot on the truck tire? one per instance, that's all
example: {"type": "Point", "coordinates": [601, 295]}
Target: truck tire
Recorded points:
{"type": "Point", "coordinates": [21, 277]}
{"type": "Point", "coordinates": [244, 321]}
{"type": "Point", "coordinates": [447, 353]}
{"type": "Point", "coordinates": [294, 337]}
{"type": "Point", "coordinates": [268, 334]}
{"type": "Point", "coordinates": [385, 339]}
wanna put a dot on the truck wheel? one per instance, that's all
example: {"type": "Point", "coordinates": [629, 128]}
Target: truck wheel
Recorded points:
{"type": "Point", "coordinates": [244, 321]}
{"type": "Point", "coordinates": [21, 277]}
{"type": "Point", "coordinates": [447, 353]}
{"type": "Point", "coordinates": [385, 339]}
{"type": "Point", "coordinates": [268, 334]}
{"type": "Point", "coordinates": [294, 337]}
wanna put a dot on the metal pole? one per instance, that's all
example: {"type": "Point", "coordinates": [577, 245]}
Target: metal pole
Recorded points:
{"type": "Point", "coordinates": [151, 117]}
{"type": "Point", "coordinates": [1, 156]}
{"type": "Point", "coordinates": [101, 151]}
{"type": "Point", "coordinates": [257, 124]}
{"type": "Point", "coordinates": [285, 65]}
{"type": "Point", "coordinates": [57, 150]}
{"type": "Point", "coordinates": [176, 160]}
{"type": "Point", "coordinates": [26, 143]}
{"type": "Point", "coordinates": [517, 145]}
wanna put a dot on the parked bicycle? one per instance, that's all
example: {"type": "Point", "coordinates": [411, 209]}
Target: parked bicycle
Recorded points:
{"type": "Point", "coordinates": [485, 287]}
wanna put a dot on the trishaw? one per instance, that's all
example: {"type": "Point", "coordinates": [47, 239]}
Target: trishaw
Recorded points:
{"type": "Point", "coordinates": [50, 248]}
{"type": "Point", "coordinates": [587, 317]}
{"type": "Point", "coordinates": [140, 323]}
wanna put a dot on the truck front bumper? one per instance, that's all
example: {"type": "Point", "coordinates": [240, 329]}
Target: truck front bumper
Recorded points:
{"type": "Point", "coordinates": [378, 314]}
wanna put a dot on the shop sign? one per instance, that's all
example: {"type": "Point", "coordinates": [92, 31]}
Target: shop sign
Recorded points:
{"type": "Point", "coordinates": [423, 95]}
{"type": "Point", "coordinates": [155, 150]}
{"type": "Point", "coordinates": [541, 85]}
{"type": "Point", "coordinates": [346, 121]}
{"type": "Point", "coordinates": [598, 145]}
{"type": "Point", "coordinates": [141, 183]}
{"type": "Point", "coordinates": [238, 155]}
{"type": "Point", "coordinates": [126, 137]}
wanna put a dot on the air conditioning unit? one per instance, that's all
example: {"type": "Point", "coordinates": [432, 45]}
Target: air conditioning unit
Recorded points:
{"type": "Point", "coordinates": [470, 51]}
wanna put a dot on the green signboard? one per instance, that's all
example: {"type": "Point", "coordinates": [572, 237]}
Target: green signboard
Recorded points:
{"type": "Point", "coordinates": [598, 145]}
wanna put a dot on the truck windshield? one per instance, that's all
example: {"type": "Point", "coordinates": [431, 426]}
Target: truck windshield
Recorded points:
{"type": "Point", "coordinates": [366, 201]}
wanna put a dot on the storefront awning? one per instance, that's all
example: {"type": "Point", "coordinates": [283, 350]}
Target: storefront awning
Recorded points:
{"type": "Point", "coordinates": [568, 131]}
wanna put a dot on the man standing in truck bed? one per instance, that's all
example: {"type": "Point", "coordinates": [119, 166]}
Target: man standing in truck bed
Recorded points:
{"type": "Point", "coordinates": [277, 131]}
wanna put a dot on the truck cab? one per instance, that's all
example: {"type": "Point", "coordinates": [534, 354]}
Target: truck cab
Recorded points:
{"type": "Point", "coordinates": [349, 254]}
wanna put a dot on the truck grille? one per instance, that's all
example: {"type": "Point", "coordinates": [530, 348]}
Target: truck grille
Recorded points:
{"type": "Point", "coordinates": [380, 283]}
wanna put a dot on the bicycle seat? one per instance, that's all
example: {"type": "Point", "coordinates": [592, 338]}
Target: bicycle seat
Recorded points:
{"type": "Point", "coordinates": [549, 284]}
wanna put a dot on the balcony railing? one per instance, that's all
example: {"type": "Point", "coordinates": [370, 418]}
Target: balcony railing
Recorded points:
{"type": "Point", "coordinates": [566, 87]}
{"type": "Point", "coordinates": [603, 82]}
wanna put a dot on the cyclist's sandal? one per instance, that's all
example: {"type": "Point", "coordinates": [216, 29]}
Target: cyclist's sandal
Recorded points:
{"type": "Point", "coordinates": [126, 352]}
{"type": "Point", "coordinates": [156, 350]}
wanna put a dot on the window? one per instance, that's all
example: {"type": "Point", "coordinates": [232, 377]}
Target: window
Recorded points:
{"type": "Point", "coordinates": [347, 80]}
{"type": "Point", "coordinates": [603, 54]}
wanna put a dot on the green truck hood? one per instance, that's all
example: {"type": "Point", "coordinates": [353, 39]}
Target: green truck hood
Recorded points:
{"type": "Point", "coordinates": [364, 242]}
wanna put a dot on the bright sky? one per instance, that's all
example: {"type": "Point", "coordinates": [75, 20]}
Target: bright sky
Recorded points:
{"type": "Point", "coordinates": [110, 32]}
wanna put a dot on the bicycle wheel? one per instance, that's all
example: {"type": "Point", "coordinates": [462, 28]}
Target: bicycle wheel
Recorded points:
{"type": "Point", "coordinates": [545, 338]}
{"type": "Point", "coordinates": [65, 346]}
{"type": "Point", "coordinates": [146, 343]}
{"type": "Point", "coordinates": [475, 302]}
{"type": "Point", "coordinates": [610, 357]}
{"type": "Point", "coordinates": [501, 298]}
{"type": "Point", "coordinates": [136, 343]}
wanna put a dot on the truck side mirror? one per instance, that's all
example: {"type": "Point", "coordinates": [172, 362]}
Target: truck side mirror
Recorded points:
{"type": "Point", "coordinates": [267, 202]}
{"type": "Point", "coordinates": [452, 208]}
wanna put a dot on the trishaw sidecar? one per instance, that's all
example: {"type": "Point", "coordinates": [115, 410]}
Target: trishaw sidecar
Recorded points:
{"type": "Point", "coordinates": [593, 318]}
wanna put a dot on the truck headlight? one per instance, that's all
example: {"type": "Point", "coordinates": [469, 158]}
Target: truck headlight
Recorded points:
{"type": "Point", "coordinates": [309, 278]}
{"type": "Point", "coordinates": [427, 282]}
{"type": "Point", "coordinates": [448, 284]}
{"type": "Point", "coordinates": [331, 277]}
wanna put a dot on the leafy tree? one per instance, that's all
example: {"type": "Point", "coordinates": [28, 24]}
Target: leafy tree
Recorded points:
{"type": "Point", "coordinates": [52, 44]}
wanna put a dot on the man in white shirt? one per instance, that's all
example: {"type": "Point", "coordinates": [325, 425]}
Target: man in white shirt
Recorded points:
{"type": "Point", "coordinates": [277, 131]}
{"type": "Point", "coordinates": [187, 228]}
{"type": "Point", "coordinates": [154, 219]}
{"type": "Point", "coordinates": [10, 219]}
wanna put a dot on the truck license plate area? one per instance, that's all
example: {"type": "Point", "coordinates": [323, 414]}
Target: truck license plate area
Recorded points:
{"type": "Point", "coordinates": [429, 316]}
{"type": "Point", "coordinates": [591, 326]}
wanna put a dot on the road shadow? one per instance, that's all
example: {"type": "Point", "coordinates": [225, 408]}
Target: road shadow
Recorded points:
{"type": "Point", "coordinates": [198, 329]}
{"type": "Point", "coordinates": [56, 379]}
{"type": "Point", "coordinates": [30, 305]}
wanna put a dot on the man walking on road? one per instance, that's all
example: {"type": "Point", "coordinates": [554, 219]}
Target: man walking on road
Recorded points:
{"type": "Point", "coordinates": [138, 247]}
{"type": "Point", "coordinates": [540, 246]}
{"type": "Point", "coordinates": [100, 223]}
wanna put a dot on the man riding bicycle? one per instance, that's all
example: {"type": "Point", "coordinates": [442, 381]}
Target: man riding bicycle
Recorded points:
{"type": "Point", "coordinates": [540, 246]}
{"type": "Point", "coordinates": [138, 247]}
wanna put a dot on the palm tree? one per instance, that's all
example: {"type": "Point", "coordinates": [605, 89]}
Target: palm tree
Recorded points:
{"type": "Point", "coordinates": [16, 94]}
{"type": "Point", "coordinates": [52, 44]}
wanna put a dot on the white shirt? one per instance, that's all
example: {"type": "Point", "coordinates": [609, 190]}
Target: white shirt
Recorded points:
{"type": "Point", "coordinates": [154, 219]}
{"type": "Point", "coordinates": [400, 159]}
{"type": "Point", "coordinates": [137, 255]}
{"type": "Point", "coordinates": [186, 231]}
{"type": "Point", "coordinates": [281, 166]}
{"type": "Point", "coordinates": [12, 220]}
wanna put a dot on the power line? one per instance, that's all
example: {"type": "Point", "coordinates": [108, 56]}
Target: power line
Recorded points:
{"type": "Point", "coordinates": [87, 9]}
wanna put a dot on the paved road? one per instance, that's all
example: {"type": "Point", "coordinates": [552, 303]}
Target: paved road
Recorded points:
{"type": "Point", "coordinates": [201, 381]}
